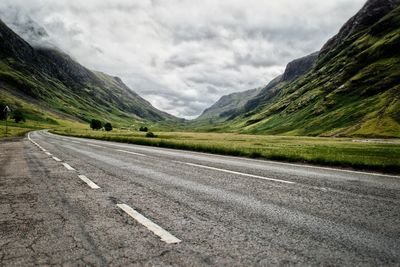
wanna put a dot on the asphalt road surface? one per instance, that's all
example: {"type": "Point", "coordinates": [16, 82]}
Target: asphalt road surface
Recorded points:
{"type": "Point", "coordinates": [78, 202]}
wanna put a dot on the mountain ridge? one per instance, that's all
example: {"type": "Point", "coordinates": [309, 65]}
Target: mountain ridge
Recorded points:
{"type": "Point", "coordinates": [53, 77]}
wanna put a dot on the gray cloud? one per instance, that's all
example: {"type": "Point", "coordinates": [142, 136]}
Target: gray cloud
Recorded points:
{"type": "Point", "coordinates": [180, 55]}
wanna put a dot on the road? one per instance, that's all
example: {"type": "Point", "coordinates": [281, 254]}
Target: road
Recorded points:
{"type": "Point", "coordinates": [78, 202]}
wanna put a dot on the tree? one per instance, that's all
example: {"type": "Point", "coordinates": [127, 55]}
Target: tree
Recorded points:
{"type": "Point", "coordinates": [18, 116]}
{"type": "Point", "coordinates": [96, 124]}
{"type": "Point", "coordinates": [143, 129]}
{"type": "Point", "coordinates": [108, 127]}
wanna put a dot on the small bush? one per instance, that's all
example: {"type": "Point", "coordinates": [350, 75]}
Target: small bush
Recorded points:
{"type": "Point", "coordinates": [150, 135]}
{"type": "Point", "coordinates": [143, 129]}
{"type": "Point", "coordinates": [108, 127]}
{"type": "Point", "coordinates": [96, 124]}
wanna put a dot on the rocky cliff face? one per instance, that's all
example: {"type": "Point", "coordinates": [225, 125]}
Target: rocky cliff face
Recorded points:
{"type": "Point", "coordinates": [371, 13]}
{"type": "Point", "coordinates": [11, 45]}
{"type": "Point", "coordinates": [299, 67]}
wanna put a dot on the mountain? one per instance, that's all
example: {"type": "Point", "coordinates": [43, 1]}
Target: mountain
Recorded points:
{"type": "Point", "coordinates": [230, 106]}
{"type": "Point", "coordinates": [350, 88]}
{"type": "Point", "coordinates": [54, 80]}
{"type": "Point", "coordinates": [227, 106]}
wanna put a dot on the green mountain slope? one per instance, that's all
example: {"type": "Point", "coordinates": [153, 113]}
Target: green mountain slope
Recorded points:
{"type": "Point", "coordinates": [56, 82]}
{"type": "Point", "coordinates": [227, 107]}
{"type": "Point", "coordinates": [353, 89]}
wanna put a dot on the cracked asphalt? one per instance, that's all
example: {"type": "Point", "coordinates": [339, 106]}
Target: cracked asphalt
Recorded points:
{"type": "Point", "coordinates": [226, 211]}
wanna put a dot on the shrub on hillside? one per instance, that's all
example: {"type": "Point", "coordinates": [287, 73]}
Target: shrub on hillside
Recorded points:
{"type": "Point", "coordinates": [108, 127]}
{"type": "Point", "coordinates": [18, 116]}
{"type": "Point", "coordinates": [96, 124]}
{"type": "Point", "coordinates": [150, 135]}
{"type": "Point", "coordinates": [143, 129]}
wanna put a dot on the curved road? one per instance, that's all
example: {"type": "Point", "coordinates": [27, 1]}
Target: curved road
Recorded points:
{"type": "Point", "coordinates": [78, 202]}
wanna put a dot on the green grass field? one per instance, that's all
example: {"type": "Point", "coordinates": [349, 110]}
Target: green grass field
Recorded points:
{"type": "Point", "coordinates": [345, 152]}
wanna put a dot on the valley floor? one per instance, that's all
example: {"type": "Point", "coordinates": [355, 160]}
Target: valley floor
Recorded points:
{"type": "Point", "coordinates": [82, 202]}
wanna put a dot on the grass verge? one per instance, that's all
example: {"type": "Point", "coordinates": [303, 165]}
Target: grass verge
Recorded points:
{"type": "Point", "coordinates": [343, 152]}
{"type": "Point", "coordinates": [15, 130]}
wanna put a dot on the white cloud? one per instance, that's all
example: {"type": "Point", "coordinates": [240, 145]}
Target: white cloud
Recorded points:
{"type": "Point", "coordinates": [182, 55]}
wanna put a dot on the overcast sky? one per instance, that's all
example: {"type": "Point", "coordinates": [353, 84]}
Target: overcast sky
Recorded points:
{"type": "Point", "coordinates": [183, 55]}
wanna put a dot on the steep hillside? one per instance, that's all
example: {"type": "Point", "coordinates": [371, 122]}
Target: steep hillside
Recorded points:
{"type": "Point", "coordinates": [227, 106]}
{"type": "Point", "coordinates": [353, 89]}
{"type": "Point", "coordinates": [60, 83]}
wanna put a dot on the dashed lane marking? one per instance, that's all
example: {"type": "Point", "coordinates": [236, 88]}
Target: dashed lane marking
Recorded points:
{"type": "Point", "coordinates": [88, 182]}
{"type": "Point", "coordinates": [156, 229]}
{"type": "Point", "coordinates": [56, 159]}
{"type": "Point", "coordinates": [68, 167]}
{"type": "Point", "coordinates": [48, 153]}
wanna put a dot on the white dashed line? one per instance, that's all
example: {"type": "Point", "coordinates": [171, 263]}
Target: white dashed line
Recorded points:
{"type": "Point", "coordinates": [156, 229]}
{"type": "Point", "coordinates": [133, 153]}
{"type": "Point", "coordinates": [68, 167]}
{"type": "Point", "coordinates": [48, 153]}
{"type": "Point", "coordinates": [56, 159]}
{"type": "Point", "coordinates": [239, 173]}
{"type": "Point", "coordinates": [88, 182]}
{"type": "Point", "coordinates": [76, 142]}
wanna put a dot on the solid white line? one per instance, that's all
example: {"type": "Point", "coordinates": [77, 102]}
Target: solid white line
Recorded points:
{"type": "Point", "coordinates": [89, 182]}
{"type": "Point", "coordinates": [156, 229]}
{"type": "Point", "coordinates": [334, 169]}
{"type": "Point", "coordinates": [239, 173]}
{"type": "Point", "coordinates": [95, 145]}
{"type": "Point", "coordinates": [68, 167]}
{"type": "Point", "coordinates": [56, 159]}
{"type": "Point", "coordinates": [48, 153]}
{"type": "Point", "coordinates": [290, 164]}
{"type": "Point", "coordinates": [133, 153]}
